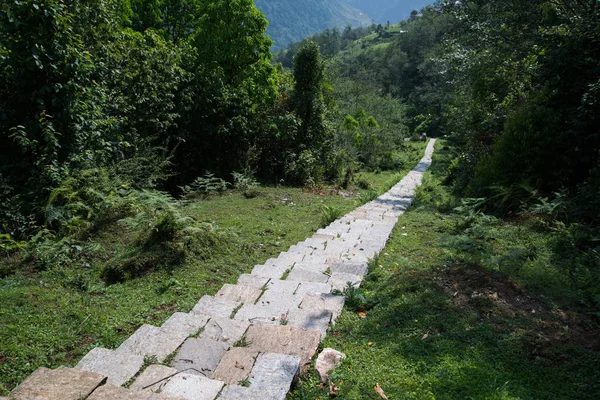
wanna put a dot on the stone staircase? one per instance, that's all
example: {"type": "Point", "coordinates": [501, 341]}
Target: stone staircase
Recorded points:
{"type": "Point", "coordinates": [251, 339]}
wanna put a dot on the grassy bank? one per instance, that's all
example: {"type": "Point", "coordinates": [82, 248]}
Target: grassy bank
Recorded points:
{"type": "Point", "coordinates": [462, 305]}
{"type": "Point", "coordinates": [55, 311]}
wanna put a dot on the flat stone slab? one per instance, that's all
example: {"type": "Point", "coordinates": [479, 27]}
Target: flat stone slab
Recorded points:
{"type": "Point", "coordinates": [199, 356]}
{"type": "Point", "coordinates": [305, 275]}
{"type": "Point", "coordinates": [225, 330]}
{"type": "Point", "coordinates": [270, 271]}
{"type": "Point", "coordinates": [153, 378]}
{"type": "Point", "coordinates": [109, 392]}
{"type": "Point", "coordinates": [312, 287]}
{"type": "Point", "coordinates": [150, 341]}
{"type": "Point", "coordinates": [280, 294]}
{"type": "Point", "coordinates": [259, 314]}
{"type": "Point", "coordinates": [284, 339]}
{"type": "Point", "coordinates": [339, 281]}
{"type": "Point", "coordinates": [186, 323]}
{"type": "Point", "coordinates": [324, 301]}
{"type": "Point", "coordinates": [354, 268]}
{"type": "Point", "coordinates": [215, 307]}
{"type": "Point", "coordinates": [328, 360]}
{"type": "Point", "coordinates": [117, 367]}
{"type": "Point", "coordinates": [192, 387]}
{"type": "Point", "coordinates": [255, 281]}
{"type": "Point", "coordinates": [314, 263]}
{"type": "Point", "coordinates": [239, 293]}
{"type": "Point", "coordinates": [59, 384]}
{"type": "Point", "coordinates": [274, 373]}
{"type": "Point", "coordinates": [236, 365]}
{"type": "Point", "coordinates": [310, 319]}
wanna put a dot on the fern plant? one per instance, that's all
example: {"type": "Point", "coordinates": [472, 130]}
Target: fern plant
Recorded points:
{"type": "Point", "coordinates": [330, 214]}
{"type": "Point", "coordinates": [204, 186]}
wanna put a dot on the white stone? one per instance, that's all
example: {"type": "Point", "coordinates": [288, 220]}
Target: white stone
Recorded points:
{"type": "Point", "coordinates": [150, 341]}
{"type": "Point", "coordinates": [328, 360]}
{"type": "Point", "coordinates": [339, 281]}
{"type": "Point", "coordinates": [117, 367]}
{"type": "Point", "coordinates": [225, 330]}
{"type": "Point", "coordinates": [192, 387]}
{"type": "Point", "coordinates": [324, 301]}
{"type": "Point", "coordinates": [239, 293]}
{"type": "Point", "coordinates": [214, 307]}
{"type": "Point", "coordinates": [274, 373]}
{"type": "Point", "coordinates": [258, 282]}
{"type": "Point", "coordinates": [186, 323]}
{"type": "Point", "coordinates": [154, 378]}
{"type": "Point", "coordinates": [310, 319]}
{"type": "Point", "coordinates": [199, 356]}
{"type": "Point", "coordinates": [305, 275]}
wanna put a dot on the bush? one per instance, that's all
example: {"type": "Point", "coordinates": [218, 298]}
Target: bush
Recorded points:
{"type": "Point", "coordinates": [204, 186]}
{"type": "Point", "coordinates": [245, 183]}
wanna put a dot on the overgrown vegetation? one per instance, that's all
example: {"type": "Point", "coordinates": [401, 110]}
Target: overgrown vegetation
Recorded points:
{"type": "Point", "coordinates": [462, 304]}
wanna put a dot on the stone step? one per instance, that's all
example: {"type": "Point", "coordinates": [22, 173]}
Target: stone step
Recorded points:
{"type": "Point", "coordinates": [153, 378]}
{"type": "Point", "coordinates": [225, 330]}
{"type": "Point", "coordinates": [109, 392]}
{"type": "Point", "coordinates": [150, 341]}
{"type": "Point", "coordinates": [118, 367]}
{"type": "Point", "coordinates": [306, 275]}
{"type": "Point", "coordinates": [170, 382]}
{"type": "Point", "coordinates": [254, 281]}
{"type": "Point", "coordinates": [239, 293]}
{"type": "Point", "coordinates": [339, 281]}
{"type": "Point", "coordinates": [215, 307]}
{"type": "Point", "coordinates": [324, 301]}
{"type": "Point", "coordinates": [200, 356]}
{"type": "Point", "coordinates": [284, 339]}
{"type": "Point", "coordinates": [190, 324]}
{"type": "Point", "coordinates": [349, 267]}
{"type": "Point", "coordinates": [59, 384]}
{"type": "Point", "coordinates": [310, 319]}
{"type": "Point", "coordinates": [272, 272]}
{"type": "Point", "coordinates": [236, 365]}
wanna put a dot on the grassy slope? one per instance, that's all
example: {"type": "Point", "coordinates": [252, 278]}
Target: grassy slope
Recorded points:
{"type": "Point", "coordinates": [50, 318]}
{"type": "Point", "coordinates": [440, 326]}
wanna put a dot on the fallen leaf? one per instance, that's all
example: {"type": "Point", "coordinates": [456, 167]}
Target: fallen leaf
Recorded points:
{"type": "Point", "coordinates": [333, 390]}
{"type": "Point", "coordinates": [425, 336]}
{"type": "Point", "coordinates": [380, 391]}
{"type": "Point", "coordinates": [370, 344]}
{"type": "Point", "coordinates": [362, 314]}
{"type": "Point", "coordinates": [377, 326]}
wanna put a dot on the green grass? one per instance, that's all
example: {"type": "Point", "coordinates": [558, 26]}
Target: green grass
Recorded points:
{"type": "Point", "coordinates": [50, 318]}
{"type": "Point", "coordinates": [55, 316]}
{"type": "Point", "coordinates": [445, 320]}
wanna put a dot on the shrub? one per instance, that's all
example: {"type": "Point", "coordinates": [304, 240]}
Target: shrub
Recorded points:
{"type": "Point", "coordinates": [204, 186]}
{"type": "Point", "coordinates": [245, 183]}
{"type": "Point", "coordinates": [330, 214]}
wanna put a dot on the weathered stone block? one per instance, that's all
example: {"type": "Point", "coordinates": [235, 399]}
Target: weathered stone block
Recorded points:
{"type": "Point", "coordinates": [186, 323]}
{"type": "Point", "coordinates": [58, 384]}
{"type": "Point", "coordinates": [225, 330]}
{"type": "Point", "coordinates": [284, 339]}
{"type": "Point", "coordinates": [154, 378]}
{"type": "Point", "coordinates": [310, 319]}
{"type": "Point", "coordinates": [236, 365]}
{"type": "Point", "coordinates": [199, 356]}
{"type": "Point", "coordinates": [324, 301]}
{"type": "Point", "coordinates": [305, 275]}
{"type": "Point", "coordinates": [215, 307]}
{"type": "Point", "coordinates": [192, 387]}
{"type": "Point", "coordinates": [263, 314]}
{"type": "Point", "coordinates": [354, 268]}
{"type": "Point", "coordinates": [109, 392]}
{"type": "Point", "coordinates": [254, 281]}
{"type": "Point", "coordinates": [152, 341]}
{"type": "Point", "coordinates": [117, 367]}
{"type": "Point", "coordinates": [340, 280]}
{"type": "Point", "coordinates": [274, 373]}
{"type": "Point", "coordinates": [270, 271]}
{"type": "Point", "coordinates": [328, 360]}
{"type": "Point", "coordinates": [239, 293]}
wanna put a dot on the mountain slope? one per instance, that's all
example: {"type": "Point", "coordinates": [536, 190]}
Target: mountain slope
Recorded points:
{"type": "Point", "coordinates": [292, 20]}
{"type": "Point", "coordinates": [382, 11]}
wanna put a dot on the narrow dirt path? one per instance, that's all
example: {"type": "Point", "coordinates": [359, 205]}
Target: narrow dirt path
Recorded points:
{"type": "Point", "coordinates": [251, 339]}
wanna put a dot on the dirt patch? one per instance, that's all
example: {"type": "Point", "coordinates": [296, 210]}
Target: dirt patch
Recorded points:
{"type": "Point", "coordinates": [495, 298]}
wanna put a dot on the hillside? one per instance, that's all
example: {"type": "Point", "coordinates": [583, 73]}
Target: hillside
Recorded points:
{"type": "Point", "coordinates": [382, 11]}
{"type": "Point", "coordinates": [292, 20]}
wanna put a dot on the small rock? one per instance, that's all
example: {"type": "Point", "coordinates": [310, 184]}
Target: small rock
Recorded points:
{"type": "Point", "coordinates": [328, 360]}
